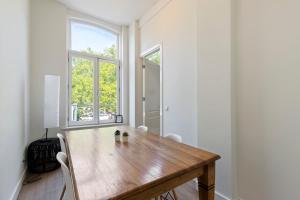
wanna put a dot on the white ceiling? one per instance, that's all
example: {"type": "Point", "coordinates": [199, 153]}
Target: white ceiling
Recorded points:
{"type": "Point", "coordinates": [121, 12]}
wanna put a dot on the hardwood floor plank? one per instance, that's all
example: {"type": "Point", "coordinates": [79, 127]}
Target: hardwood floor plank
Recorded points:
{"type": "Point", "coordinates": [48, 187]}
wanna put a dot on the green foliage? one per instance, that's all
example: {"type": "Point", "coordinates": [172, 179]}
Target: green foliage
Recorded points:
{"type": "Point", "coordinates": [83, 84]}
{"type": "Point", "coordinates": [82, 81]}
{"type": "Point", "coordinates": [154, 57]}
{"type": "Point", "coordinates": [108, 88]}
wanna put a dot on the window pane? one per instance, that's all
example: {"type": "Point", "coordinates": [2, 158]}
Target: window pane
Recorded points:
{"type": "Point", "coordinates": [92, 39]}
{"type": "Point", "coordinates": [108, 91]}
{"type": "Point", "coordinates": [154, 57]}
{"type": "Point", "coordinates": [82, 107]}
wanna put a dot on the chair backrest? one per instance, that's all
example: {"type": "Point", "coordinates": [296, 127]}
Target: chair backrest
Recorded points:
{"type": "Point", "coordinates": [174, 137]}
{"type": "Point", "coordinates": [63, 160]}
{"type": "Point", "coordinates": [143, 128]}
{"type": "Point", "coordinates": [62, 142]}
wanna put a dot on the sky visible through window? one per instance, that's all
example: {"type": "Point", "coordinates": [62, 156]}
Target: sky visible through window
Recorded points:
{"type": "Point", "coordinates": [85, 36]}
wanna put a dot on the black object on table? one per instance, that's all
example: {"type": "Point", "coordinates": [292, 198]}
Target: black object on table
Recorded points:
{"type": "Point", "coordinates": [41, 155]}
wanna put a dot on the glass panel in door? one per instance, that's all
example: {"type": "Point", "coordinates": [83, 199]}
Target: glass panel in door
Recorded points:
{"type": "Point", "coordinates": [82, 97]}
{"type": "Point", "coordinates": [108, 101]}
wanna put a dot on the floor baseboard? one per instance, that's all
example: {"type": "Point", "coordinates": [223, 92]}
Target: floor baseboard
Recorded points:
{"type": "Point", "coordinates": [18, 187]}
{"type": "Point", "coordinates": [220, 196]}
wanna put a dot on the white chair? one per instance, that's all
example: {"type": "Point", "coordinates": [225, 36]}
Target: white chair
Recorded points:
{"type": "Point", "coordinates": [68, 191]}
{"type": "Point", "coordinates": [143, 128]}
{"type": "Point", "coordinates": [62, 142]}
{"type": "Point", "coordinates": [176, 138]}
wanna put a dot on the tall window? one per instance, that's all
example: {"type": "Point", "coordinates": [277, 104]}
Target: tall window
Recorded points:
{"type": "Point", "coordinates": [94, 69]}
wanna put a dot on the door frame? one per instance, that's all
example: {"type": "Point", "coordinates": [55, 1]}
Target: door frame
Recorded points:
{"type": "Point", "coordinates": [158, 47]}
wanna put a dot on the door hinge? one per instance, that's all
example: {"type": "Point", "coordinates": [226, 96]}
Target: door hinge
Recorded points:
{"type": "Point", "coordinates": [144, 99]}
{"type": "Point", "coordinates": [144, 66]}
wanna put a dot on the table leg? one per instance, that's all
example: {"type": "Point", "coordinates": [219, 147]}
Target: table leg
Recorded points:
{"type": "Point", "coordinates": [206, 183]}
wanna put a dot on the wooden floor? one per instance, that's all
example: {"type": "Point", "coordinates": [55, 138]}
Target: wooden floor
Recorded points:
{"type": "Point", "coordinates": [50, 185]}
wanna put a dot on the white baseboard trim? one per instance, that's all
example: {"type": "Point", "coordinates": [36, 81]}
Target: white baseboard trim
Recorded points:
{"type": "Point", "coordinates": [18, 187]}
{"type": "Point", "coordinates": [220, 196]}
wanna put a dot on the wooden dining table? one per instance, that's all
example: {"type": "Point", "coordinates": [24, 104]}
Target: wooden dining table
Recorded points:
{"type": "Point", "coordinates": [142, 168]}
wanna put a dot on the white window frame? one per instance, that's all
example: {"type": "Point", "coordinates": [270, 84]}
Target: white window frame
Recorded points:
{"type": "Point", "coordinates": [96, 60]}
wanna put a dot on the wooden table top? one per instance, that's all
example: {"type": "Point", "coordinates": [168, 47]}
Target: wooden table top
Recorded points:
{"type": "Point", "coordinates": [104, 169]}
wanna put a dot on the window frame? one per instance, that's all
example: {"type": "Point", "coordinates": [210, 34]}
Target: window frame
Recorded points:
{"type": "Point", "coordinates": [96, 60]}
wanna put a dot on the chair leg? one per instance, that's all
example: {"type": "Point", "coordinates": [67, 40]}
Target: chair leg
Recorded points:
{"type": "Point", "coordinates": [62, 193]}
{"type": "Point", "coordinates": [174, 194]}
{"type": "Point", "coordinates": [162, 197]}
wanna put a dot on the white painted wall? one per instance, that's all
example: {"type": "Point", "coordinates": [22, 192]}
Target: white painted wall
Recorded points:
{"type": "Point", "coordinates": [214, 87]}
{"type": "Point", "coordinates": [268, 68]}
{"type": "Point", "coordinates": [125, 73]}
{"type": "Point", "coordinates": [48, 56]}
{"type": "Point", "coordinates": [175, 27]}
{"type": "Point", "coordinates": [14, 94]}
{"type": "Point", "coordinates": [134, 89]}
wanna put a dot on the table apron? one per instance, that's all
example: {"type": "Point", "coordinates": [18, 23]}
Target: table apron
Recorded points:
{"type": "Point", "coordinates": [165, 186]}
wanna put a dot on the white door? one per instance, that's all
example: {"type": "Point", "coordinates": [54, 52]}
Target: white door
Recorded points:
{"type": "Point", "coordinates": [151, 99]}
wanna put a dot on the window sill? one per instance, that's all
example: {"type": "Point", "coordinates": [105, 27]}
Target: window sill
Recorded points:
{"type": "Point", "coordinates": [91, 126]}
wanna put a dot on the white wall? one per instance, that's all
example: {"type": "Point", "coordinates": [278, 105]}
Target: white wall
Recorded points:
{"type": "Point", "coordinates": [134, 46]}
{"type": "Point", "coordinates": [175, 27]}
{"type": "Point", "coordinates": [268, 69]}
{"type": "Point", "coordinates": [14, 66]}
{"type": "Point", "coordinates": [48, 56]}
{"type": "Point", "coordinates": [214, 88]}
